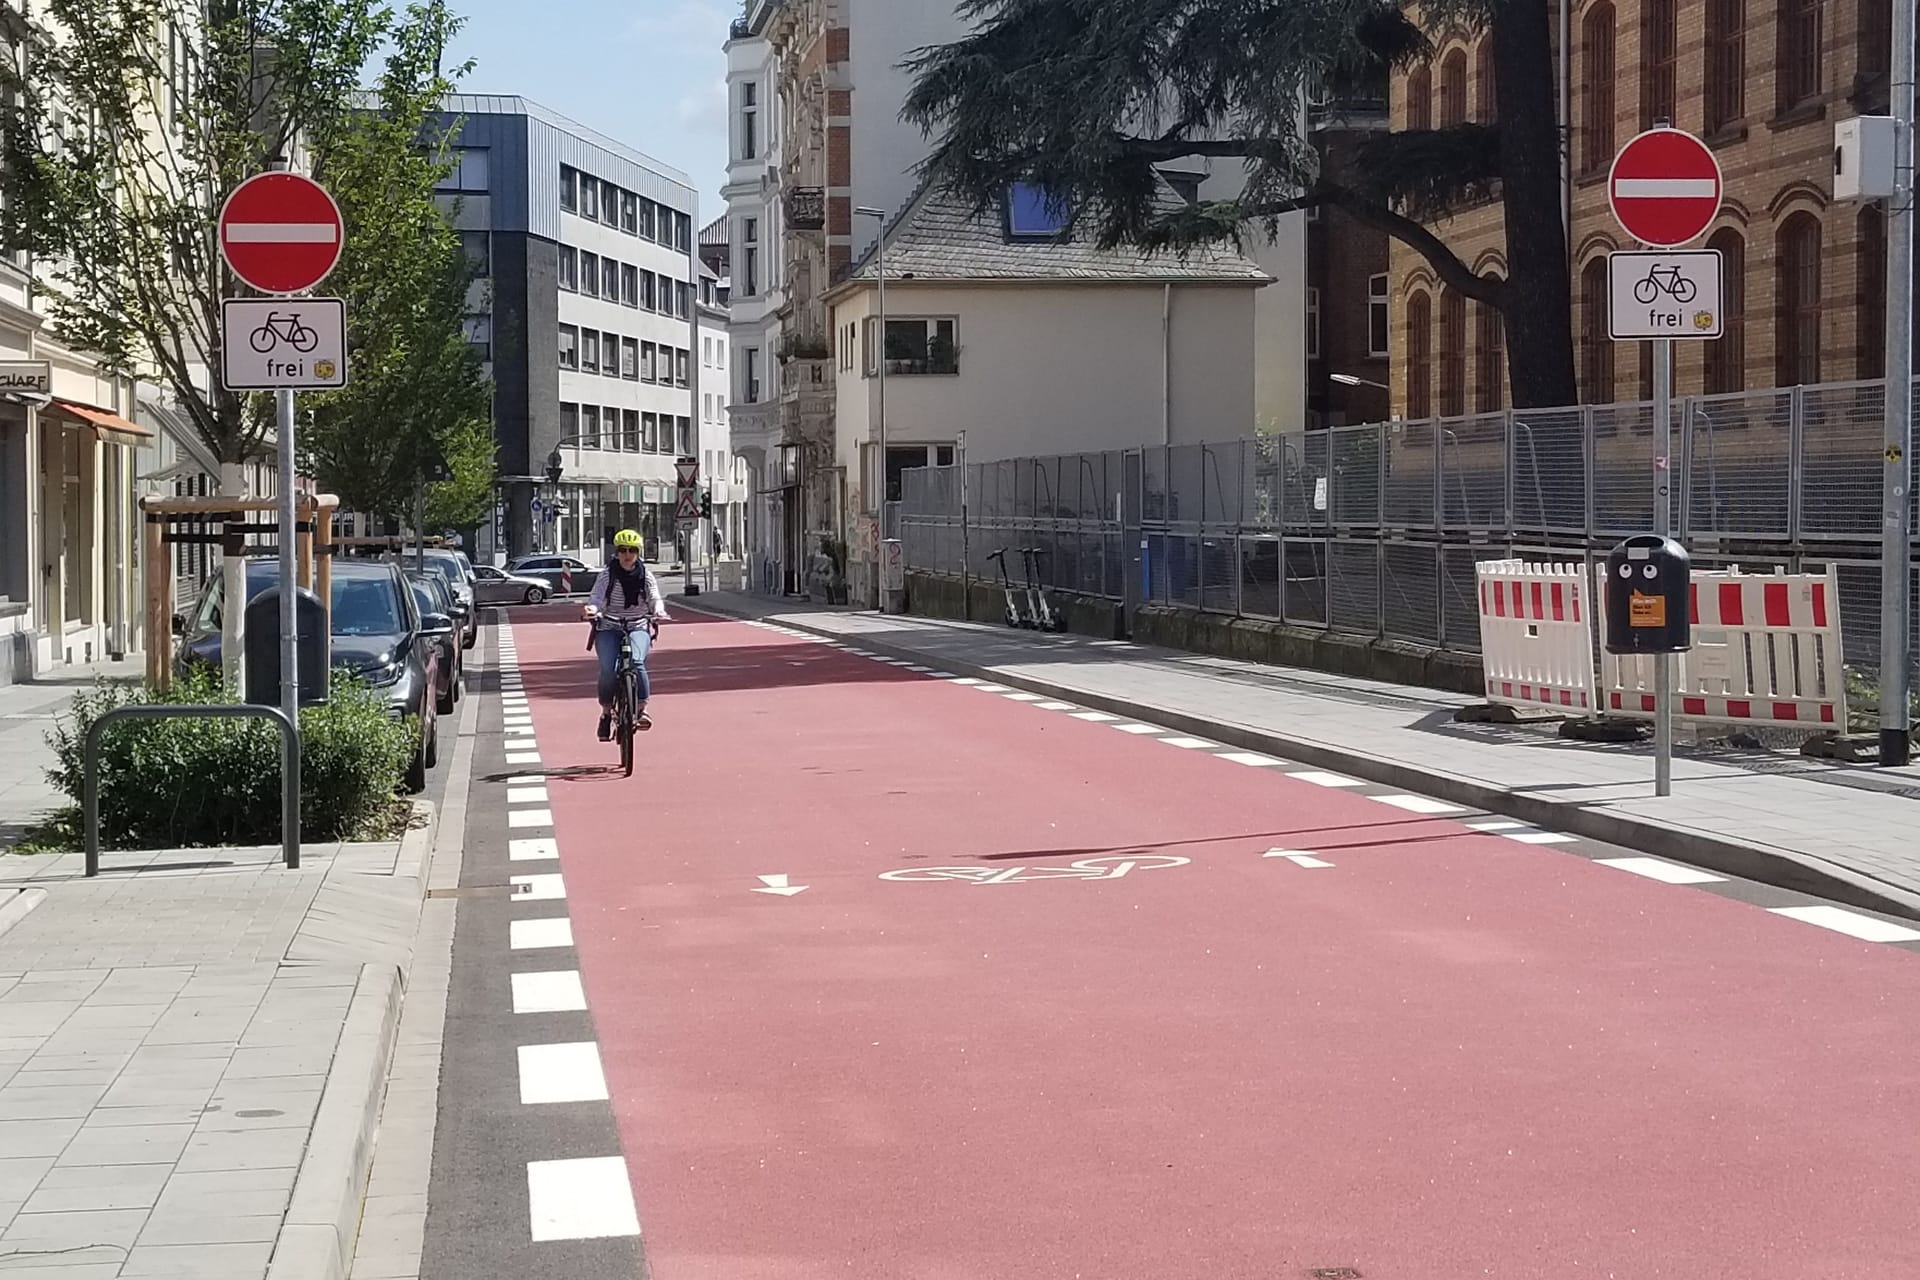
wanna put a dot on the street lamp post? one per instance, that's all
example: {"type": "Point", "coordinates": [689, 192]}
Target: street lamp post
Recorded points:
{"type": "Point", "coordinates": [880, 500]}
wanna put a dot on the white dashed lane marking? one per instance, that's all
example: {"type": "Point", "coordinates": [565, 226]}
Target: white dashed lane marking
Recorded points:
{"type": "Point", "coordinates": [561, 1073]}
{"type": "Point", "coordinates": [554, 991]}
{"type": "Point", "coordinates": [588, 1199]}
{"type": "Point", "coordinates": [1665, 872]}
{"type": "Point", "coordinates": [1851, 923]}
{"type": "Point", "coordinates": [537, 935]}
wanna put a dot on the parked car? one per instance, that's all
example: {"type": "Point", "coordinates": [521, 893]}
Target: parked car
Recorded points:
{"type": "Point", "coordinates": [563, 574]}
{"type": "Point", "coordinates": [431, 593]}
{"type": "Point", "coordinates": [378, 634]}
{"type": "Point", "coordinates": [497, 586]}
{"type": "Point", "coordinates": [458, 571]}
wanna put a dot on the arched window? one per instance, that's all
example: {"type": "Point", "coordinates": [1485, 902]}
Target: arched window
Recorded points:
{"type": "Point", "coordinates": [1726, 69]}
{"type": "Point", "coordinates": [1659, 59]}
{"type": "Point", "coordinates": [1727, 355]}
{"type": "Point", "coordinates": [1453, 89]}
{"type": "Point", "coordinates": [1453, 354]}
{"type": "Point", "coordinates": [1797, 327]}
{"type": "Point", "coordinates": [1797, 53]}
{"type": "Point", "coordinates": [1489, 358]}
{"type": "Point", "coordinates": [1486, 103]}
{"type": "Point", "coordinates": [1419, 357]}
{"type": "Point", "coordinates": [1596, 347]}
{"type": "Point", "coordinates": [1419, 99]}
{"type": "Point", "coordinates": [1870, 293]}
{"type": "Point", "coordinates": [1596, 89]}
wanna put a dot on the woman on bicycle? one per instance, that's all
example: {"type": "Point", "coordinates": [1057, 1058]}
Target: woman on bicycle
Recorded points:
{"type": "Point", "coordinates": [626, 592]}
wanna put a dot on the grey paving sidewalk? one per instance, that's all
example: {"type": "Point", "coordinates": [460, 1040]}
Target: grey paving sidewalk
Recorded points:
{"type": "Point", "coordinates": [1842, 830]}
{"type": "Point", "coordinates": [171, 1040]}
{"type": "Point", "coordinates": [27, 712]}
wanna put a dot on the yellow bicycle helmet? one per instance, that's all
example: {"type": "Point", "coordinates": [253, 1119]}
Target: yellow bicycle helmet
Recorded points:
{"type": "Point", "coordinates": [626, 538]}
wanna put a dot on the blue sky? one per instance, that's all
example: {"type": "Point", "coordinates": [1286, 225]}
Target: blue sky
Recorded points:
{"type": "Point", "coordinates": [650, 73]}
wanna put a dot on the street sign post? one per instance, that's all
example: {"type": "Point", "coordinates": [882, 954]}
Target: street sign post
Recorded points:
{"type": "Point", "coordinates": [686, 510]}
{"type": "Point", "coordinates": [281, 232]}
{"type": "Point", "coordinates": [1665, 188]}
{"type": "Point", "coordinates": [270, 344]}
{"type": "Point", "coordinates": [1665, 294]}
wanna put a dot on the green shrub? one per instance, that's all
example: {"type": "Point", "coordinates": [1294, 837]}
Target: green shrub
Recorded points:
{"type": "Point", "coordinates": [182, 783]}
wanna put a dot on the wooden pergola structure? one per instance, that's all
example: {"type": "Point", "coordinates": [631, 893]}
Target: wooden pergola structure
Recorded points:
{"type": "Point", "coordinates": [162, 530]}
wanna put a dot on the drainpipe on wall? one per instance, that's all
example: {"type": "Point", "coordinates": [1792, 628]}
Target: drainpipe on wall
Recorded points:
{"type": "Point", "coordinates": [1166, 363]}
{"type": "Point", "coordinates": [1566, 124]}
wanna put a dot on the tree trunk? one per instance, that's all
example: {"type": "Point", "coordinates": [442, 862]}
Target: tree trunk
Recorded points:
{"type": "Point", "coordinates": [1538, 312]}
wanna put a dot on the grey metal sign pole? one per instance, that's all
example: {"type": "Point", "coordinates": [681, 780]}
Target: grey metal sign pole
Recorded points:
{"type": "Point", "coordinates": [1896, 572]}
{"type": "Point", "coordinates": [289, 615]}
{"type": "Point", "coordinates": [1663, 525]}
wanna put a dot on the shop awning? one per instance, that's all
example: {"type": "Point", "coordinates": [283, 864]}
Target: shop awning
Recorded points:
{"type": "Point", "coordinates": [113, 428]}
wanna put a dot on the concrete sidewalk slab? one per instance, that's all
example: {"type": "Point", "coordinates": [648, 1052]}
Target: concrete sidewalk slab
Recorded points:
{"type": "Point", "coordinates": [1837, 831]}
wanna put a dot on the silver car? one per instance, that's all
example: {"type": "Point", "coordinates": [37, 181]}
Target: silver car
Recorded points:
{"type": "Point", "coordinates": [496, 586]}
{"type": "Point", "coordinates": [563, 575]}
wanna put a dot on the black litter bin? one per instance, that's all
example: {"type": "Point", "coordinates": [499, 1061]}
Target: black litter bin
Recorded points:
{"type": "Point", "coordinates": [261, 641]}
{"type": "Point", "coordinates": [1649, 602]}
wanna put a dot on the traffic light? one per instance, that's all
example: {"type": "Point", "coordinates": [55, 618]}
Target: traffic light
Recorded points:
{"type": "Point", "coordinates": [706, 504]}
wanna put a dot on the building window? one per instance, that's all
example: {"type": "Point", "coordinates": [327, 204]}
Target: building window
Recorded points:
{"type": "Point", "coordinates": [610, 346]}
{"type": "Point", "coordinates": [682, 300]}
{"type": "Point", "coordinates": [683, 232]}
{"type": "Point", "coordinates": [750, 375]}
{"type": "Point", "coordinates": [1313, 324]}
{"type": "Point", "coordinates": [569, 419]}
{"type": "Point", "coordinates": [569, 347]}
{"type": "Point", "coordinates": [1486, 102]}
{"type": "Point", "coordinates": [630, 430]}
{"type": "Point", "coordinates": [590, 274]}
{"type": "Point", "coordinates": [629, 286]}
{"type": "Point", "coordinates": [590, 351]}
{"type": "Point", "coordinates": [1797, 250]}
{"type": "Point", "coordinates": [629, 213]}
{"type": "Point", "coordinates": [610, 204]}
{"type": "Point", "coordinates": [1659, 43]}
{"type": "Point", "coordinates": [609, 279]}
{"type": "Point", "coordinates": [478, 247]}
{"type": "Point", "coordinates": [1453, 354]}
{"type": "Point", "coordinates": [1453, 89]}
{"type": "Point", "coordinates": [589, 197]}
{"type": "Point", "coordinates": [1596, 90]}
{"type": "Point", "coordinates": [649, 433]}
{"type": "Point", "coordinates": [1726, 78]}
{"type": "Point", "coordinates": [569, 269]}
{"type": "Point", "coordinates": [681, 372]}
{"type": "Point", "coordinates": [569, 189]}
{"type": "Point", "coordinates": [1419, 357]}
{"type": "Point", "coordinates": [646, 290]}
{"type": "Point", "coordinates": [1799, 53]}
{"type": "Point", "coordinates": [917, 346]}
{"type": "Point", "coordinates": [1489, 358]}
{"type": "Point", "coordinates": [467, 171]}
{"type": "Point", "coordinates": [1419, 99]}
{"type": "Point", "coordinates": [750, 267]}
{"type": "Point", "coordinates": [1379, 319]}
{"type": "Point", "coordinates": [1727, 355]}
{"type": "Point", "coordinates": [590, 426]}
{"type": "Point", "coordinates": [749, 120]}
{"type": "Point", "coordinates": [1035, 214]}
{"type": "Point", "coordinates": [683, 436]}
{"type": "Point", "coordinates": [649, 220]}
{"type": "Point", "coordinates": [479, 330]}
{"type": "Point", "coordinates": [1870, 323]}
{"type": "Point", "coordinates": [1596, 346]}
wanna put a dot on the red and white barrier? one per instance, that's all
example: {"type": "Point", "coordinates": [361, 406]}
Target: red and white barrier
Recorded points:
{"type": "Point", "coordinates": [1536, 635]}
{"type": "Point", "coordinates": [1766, 651]}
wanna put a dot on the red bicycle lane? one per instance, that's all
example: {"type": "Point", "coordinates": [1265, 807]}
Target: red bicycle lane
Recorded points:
{"type": "Point", "coordinates": [1447, 1054]}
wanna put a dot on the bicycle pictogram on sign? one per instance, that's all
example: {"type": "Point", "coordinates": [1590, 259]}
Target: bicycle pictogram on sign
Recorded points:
{"type": "Point", "coordinates": [278, 328]}
{"type": "Point", "coordinates": [1664, 279]}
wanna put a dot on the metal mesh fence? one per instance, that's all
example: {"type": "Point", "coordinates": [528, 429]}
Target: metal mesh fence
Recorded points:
{"type": "Point", "coordinates": [1375, 529]}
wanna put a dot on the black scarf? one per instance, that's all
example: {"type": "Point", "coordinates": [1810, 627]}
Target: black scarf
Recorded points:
{"type": "Point", "coordinates": [633, 584]}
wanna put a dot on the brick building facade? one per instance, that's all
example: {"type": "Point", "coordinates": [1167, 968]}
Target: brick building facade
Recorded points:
{"type": "Point", "coordinates": [1348, 333]}
{"type": "Point", "coordinates": [1762, 81]}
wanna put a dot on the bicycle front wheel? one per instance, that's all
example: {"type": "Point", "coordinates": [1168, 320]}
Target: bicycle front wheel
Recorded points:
{"type": "Point", "coordinates": [629, 714]}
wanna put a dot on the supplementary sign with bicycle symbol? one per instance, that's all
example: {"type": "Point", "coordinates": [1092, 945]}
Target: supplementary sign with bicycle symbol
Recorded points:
{"type": "Point", "coordinates": [270, 343]}
{"type": "Point", "coordinates": [1673, 293]}
{"type": "Point", "coordinates": [1113, 868]}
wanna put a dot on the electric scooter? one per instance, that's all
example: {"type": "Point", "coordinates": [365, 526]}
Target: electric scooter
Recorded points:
{"type": "Point", "coordinates": [1042, 614]}
{"type": "Point", "coordinates": [1014, 619]}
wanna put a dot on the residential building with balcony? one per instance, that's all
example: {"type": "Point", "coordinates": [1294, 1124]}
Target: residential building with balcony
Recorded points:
{"type": "Point", "coordinates": [1010, 337]}
{"type": "Point", "coordinates": [585, 309]}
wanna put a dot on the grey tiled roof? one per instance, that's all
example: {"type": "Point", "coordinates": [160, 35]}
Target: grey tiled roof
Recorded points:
{"type": "Point", "coordinates": [936, 238]}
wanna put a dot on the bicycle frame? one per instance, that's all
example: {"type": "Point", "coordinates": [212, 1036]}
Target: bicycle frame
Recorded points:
{"type": "Point", "coordinates": [626, 675]}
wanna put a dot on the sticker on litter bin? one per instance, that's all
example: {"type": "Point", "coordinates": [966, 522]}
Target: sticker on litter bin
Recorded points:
{"type": "Point", "coordinates": [1647, 611]}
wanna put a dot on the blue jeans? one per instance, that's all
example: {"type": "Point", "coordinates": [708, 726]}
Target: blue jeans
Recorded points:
{"type": "Point", "coordinates": [607, 645]}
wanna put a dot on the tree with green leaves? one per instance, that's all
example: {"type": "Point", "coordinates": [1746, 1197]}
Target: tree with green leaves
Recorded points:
{"type": "Point", "coordinates": [1088, 97]}
{"type": "Point", "coordinates": [417, 393]}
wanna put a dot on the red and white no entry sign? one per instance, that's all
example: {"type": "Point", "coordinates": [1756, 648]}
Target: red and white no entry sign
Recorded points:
{"type": "Point", "coordinates": [1665, 187]}
{"type": "Point", "coordinates": [281, 232]}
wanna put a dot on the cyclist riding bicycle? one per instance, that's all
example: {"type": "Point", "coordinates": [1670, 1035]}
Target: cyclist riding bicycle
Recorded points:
{"type": "Point", "coordinates": [625, 592]}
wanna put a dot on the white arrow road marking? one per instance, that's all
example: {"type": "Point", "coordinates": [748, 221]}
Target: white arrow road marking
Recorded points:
{"type": "Point", "coordinates": [1298, 857]}
{"type": "Point", "coordinates": [779, 885]}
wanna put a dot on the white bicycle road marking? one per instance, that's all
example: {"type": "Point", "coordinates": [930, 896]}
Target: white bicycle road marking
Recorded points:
{"type": "Point", "coordinates": [1085, 869]}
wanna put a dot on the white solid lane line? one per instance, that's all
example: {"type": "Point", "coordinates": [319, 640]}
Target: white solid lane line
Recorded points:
{"type": "Point", "coordinates": [1865, 928]}
{"type": "Point", "coordinates": [1324, 779]}
{"type": "Point", "coordinates": [1419, 804]}
{"type": "Point", "coordinates": [1251, 758]}
{"type": "Point", "coordinates": [1665, 872]}
{"type": "Point", "coordinates": [556, 991]}
{"type": "Point", "coordinates": [588, 1199]}
{"type": "Point", "coordinates": [536, 935]}
{"type": "Point", "coordinates": [544, 887]}
{"type": "Point", "coordinates": [561, 1073]}
{"type": "Point", "coordinates": [529, 817]}
{"type": "Point", "coordinates": [527, 795]}
{"type": "Point", "coordinates": [537, 849]}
